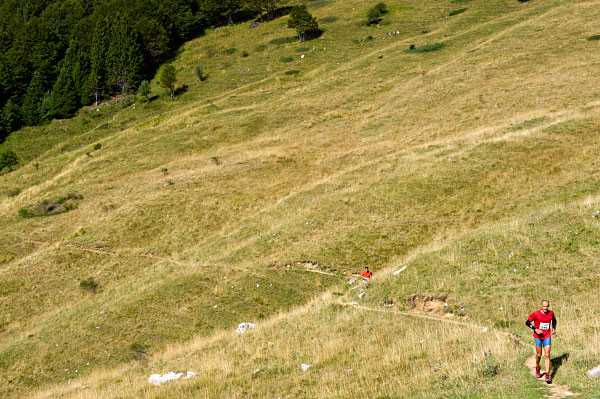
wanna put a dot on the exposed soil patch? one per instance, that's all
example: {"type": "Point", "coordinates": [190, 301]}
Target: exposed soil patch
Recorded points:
{"type": "Point", "coordinates": [309, 266]}
{"type": "Point", "coordinates": [427, 302]}
{"type": "Point", "coordinates": [48, 208]}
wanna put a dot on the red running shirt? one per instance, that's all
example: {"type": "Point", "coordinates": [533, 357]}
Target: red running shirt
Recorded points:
{"type": "Point", "coordinates": [368, 274]}
{"type": "Point", "coordinates": [543, 321]}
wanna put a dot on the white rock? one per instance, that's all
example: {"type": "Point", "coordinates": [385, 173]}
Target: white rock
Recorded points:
{"type": "Point", "coordinates": [305, 366]}
{"type": "Point", "coordinates": [302, 56]}
{"type": "Point", "coordinates": [510, 255]}
{"type": "Point", "coordinates": [399, 270]}
{"type": "Point", "coordinates": [361, 295]}
{"type": "Point", "coordinates": [352, 281]}
{"type": "Point", "coordinates": [242, 327]}
{"type": "Point", "coordinates": [484, 329]}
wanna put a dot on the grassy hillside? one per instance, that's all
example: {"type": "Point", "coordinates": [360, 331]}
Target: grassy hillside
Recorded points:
{"type": "Point", "coordinates": [475, 166]}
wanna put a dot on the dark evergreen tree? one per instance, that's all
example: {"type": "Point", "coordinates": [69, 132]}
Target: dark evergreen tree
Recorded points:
{"type": "Point", "coordinates": [64, 100]}
{"type": "Point", "coordinates": [10, 119]}
{"type": "Point", "coordinates": [124, 59]}
{"type": "Point", "coordinates": [8, 159]}
{"type": "Point", "coordinates": [31, 108]}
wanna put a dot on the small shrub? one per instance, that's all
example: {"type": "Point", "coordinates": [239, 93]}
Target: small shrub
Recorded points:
{"type": "Point", "coordinates": [381, 7]}
{"type": "Point", "coordinates": [373, 16]}
{"type": "Point", "coordinates": [489, 367]}
{"type": "Point", "coordinates": [292, 72]}
{"type": "Point", "coordinates": [502, 323]}
{"type": "Point", "coordinates": [97, 146]}
{"type": "Point", "coordinates": [229, 51]}
{"type": "Point", "coordinates": [215, 160]}
{"type": "Point", "coordinates": [460, 1]}
{"type": "Point", "coordinates": [593, 37]}
{"type": "Point", "coordinates": [456, 12]}
{"type": "Point", "coordinates": [286, 59]}
{"type": "Point", "coordinates": [284, 40]}
{"type": "Point", "coordinates": [302, 49]}
{"type": "Point", "coordinates": [200, 74]}
{"type": "Point", "coordinates": [425, 49]}
{"type": "Point", "coordinates": [164, 170]}
{"type": "Point", "coordinates": [144, 90]}
{"type": "Point", "coordinates": [138, 352]}
{"type": "Point", "coordinates": [245, 54]}
{"type": "Point", "coordinates": [13, 192]}
{"type": "Point", "coordinates": [89, 285]}
{"type": "Point", "coordinates": [260, 47]}
{"type": "Point", "coordinates": [328, 20]}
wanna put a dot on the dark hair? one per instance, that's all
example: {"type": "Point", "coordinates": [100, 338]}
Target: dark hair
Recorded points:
{"type": "Point", "coordinates": [545, 300]}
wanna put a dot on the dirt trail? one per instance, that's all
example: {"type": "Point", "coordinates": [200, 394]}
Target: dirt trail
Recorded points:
{"type": "Point", "coordinates": [556, 391]}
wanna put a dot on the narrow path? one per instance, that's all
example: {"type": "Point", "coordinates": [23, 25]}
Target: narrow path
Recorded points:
{"type": "Point", "coordinates": [556, 391]}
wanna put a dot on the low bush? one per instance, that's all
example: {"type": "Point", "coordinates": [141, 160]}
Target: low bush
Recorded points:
{"type": "Point", "coordinates": [97, 146]}
{"type": "Point", "coordinates": [489, 367]}
{"type": "Point", "coordinates": [292, 72]}
{"type": "Point", "coordinates": [286, 59]}
{"type": "Point", "coordinates": [229, 51]}
{"type": "Point", "coordinates": [245, 54]}
{"type": "Point", "coordinates": [425, 49]}
{"type": "Point", "coordinates": [375, 13]}
{"type": "Point", "coordinates": [302, 49]}
{"type": "Point", "coordinates": [89, 285]}
{"type": "Point", "coordinates": [456, 12]}
{"type": "Point", "coordinates": [260, 47]}
{"type": "Point", "coordinates": [593, 37]}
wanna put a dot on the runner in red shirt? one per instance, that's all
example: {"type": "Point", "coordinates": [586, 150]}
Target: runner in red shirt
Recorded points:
{"type": "Point", "coordinates": [543, 324]}
{"type": "Point", "coordinates": [366, 275]}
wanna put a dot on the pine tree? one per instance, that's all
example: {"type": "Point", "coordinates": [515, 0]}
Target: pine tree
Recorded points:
{"type": "Point", "coordinates": [98, 52]}
{"type": "Point", "coordinates": [10, 119]}
{"type": "Point", "coordinates": [125, 59]}
{"type": "Point", "coordinates": [64, 100]}
{"type": "Point", "coordinates": [31, 108]}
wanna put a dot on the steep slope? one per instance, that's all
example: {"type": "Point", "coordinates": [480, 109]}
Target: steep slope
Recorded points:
{"type": "Point", "coordinates": [369, 156]}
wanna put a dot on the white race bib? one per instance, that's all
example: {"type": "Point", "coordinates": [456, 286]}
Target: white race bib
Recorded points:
{"type": "Point", "coordinates": [544, 326]}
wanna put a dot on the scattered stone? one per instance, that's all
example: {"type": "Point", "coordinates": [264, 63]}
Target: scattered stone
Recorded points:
{"type": "Point", "coordinates": [380, 56]}
{"type": "Point", "coordinates": [254, 25]}
{"type": "Point", "coordinates": [157, 379]}
{"type": "Point", "coordinates": [305, 366]}
{"type": "Point", "coordinates": [510, 255]}
{"type": "Point", "coordinates": [352, 281]}
{"type": "Point", "coordinates": [484, 329]}
{"type": "Point", "coordinates": [217, 30]}
{"type": "Point", "coordinates": [361, 295]}
{"type": "Point", "coordinates": [595, 372]}
{"type": "Point", "coordinates": [169, 182]}
{"type": "Point", "coordinates": [399, 270]}
{"type": "Point", "coordinates": [242, 327]}
{"type": "Point", "coordinates": [595, 214]}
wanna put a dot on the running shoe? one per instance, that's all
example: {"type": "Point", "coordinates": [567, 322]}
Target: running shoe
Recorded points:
{"type": "Point", "coordinates": [548, 379]}
{"type": "Point", "coordinates": [537, 373]}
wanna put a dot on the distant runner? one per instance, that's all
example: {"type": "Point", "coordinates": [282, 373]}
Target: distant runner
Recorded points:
{"type": "Point", "coordinates": [366, 275]}
{"type": "Point", "coordinates": [543, 324]}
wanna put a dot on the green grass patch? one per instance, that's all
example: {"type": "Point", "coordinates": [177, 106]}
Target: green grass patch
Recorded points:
{"type": "Point", "coordinates": [593, 38]}
{"type": "Point", "coordinates": [425, 49]}
{"type": "Point", "coordinates": [260, 47]}
{"type": "Point", "coordinates": [292, 72]}
{"type": "Point", "coordinates": [51, 208]}
{"type": "Point", "coordinates": [456, 12]}
{"type": "Point", "coordinates": [284, 40]}
{"type": "Point", "coordinates": [302, 49]}
{"type": "Point", "coordinates": [319, 3]}
{"type": "Point", "coordinates": [328, 20]}
{"type": "Point", "coordinates": [286, 59]}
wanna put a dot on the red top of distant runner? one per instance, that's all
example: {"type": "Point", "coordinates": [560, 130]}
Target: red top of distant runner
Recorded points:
{"type": "Point", "coordinates": [543, 321]}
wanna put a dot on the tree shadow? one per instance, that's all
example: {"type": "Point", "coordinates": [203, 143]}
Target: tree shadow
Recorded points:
{"type": "Point", "coordinates": [180, 90]}
{"type": "Point", "coordinates": [557, 362]}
